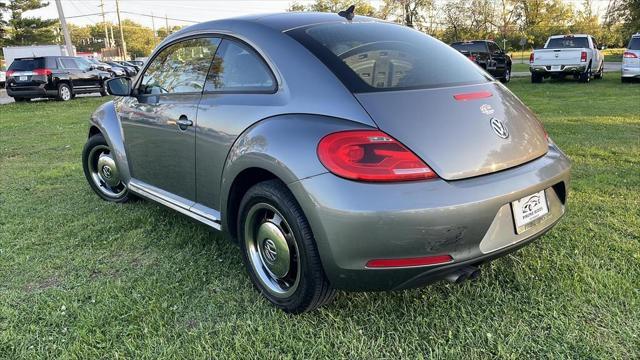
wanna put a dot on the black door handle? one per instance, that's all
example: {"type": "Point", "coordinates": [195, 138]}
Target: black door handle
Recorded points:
{"type": "Point", "coordinates": [184, 122]}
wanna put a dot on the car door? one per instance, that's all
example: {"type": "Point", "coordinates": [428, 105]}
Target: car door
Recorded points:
{"type": "Point", "coordinates": [90, 77]}
{"type": "Point", "coordinates": [157, 122]}
{"type": "Point", "coordinates": [72, 70]}
{"type": "Point", "coordinates": [240, 90]}
{"type": "Point", "coordinates": [498, 60]}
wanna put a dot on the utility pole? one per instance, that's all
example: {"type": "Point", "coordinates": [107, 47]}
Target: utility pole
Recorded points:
{"type": "Point", "coordinates": [153, 26]}
{"type": "Point", "coordinates": [112, 42]}
{"type": "Point", "coordinates": [124, 45]}
{"type": "Point", "coordinates": [65, 30]}
{"type": "Point", "coordinates": [106, 30]}
{"type": "Point", "coordinates": [166, 21]}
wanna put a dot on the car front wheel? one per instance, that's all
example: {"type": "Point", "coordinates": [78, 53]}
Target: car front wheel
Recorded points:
{"type": "Point", "coordinates": [64, 92]}
{"type": "Point", "coordinates": [101, 170]}
{"type": "Point", "coordinates": [507, 76]}
{"type": "Point", "coordinates": [279, 250]}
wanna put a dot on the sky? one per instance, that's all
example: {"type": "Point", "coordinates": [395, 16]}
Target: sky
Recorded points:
{"type": "Point", "coordinates": [180, 12]}
{"type": "Point", "coordinates": [192, 10]}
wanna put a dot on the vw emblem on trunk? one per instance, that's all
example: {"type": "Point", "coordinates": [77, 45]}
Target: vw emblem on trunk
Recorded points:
{"type": "Point", "coordinates": [499, 128]}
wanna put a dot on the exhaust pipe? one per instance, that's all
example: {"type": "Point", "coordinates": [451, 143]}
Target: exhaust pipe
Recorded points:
{"type": "Point", "coordinates": [462, 274]}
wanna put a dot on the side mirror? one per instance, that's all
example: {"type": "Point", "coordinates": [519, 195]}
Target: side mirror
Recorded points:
{"type": "Point", "coordinates": [92, 67]}
{"type": "Point", "coordinates": [119, 86]}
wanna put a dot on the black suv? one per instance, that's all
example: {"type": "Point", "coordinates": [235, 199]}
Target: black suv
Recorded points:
{"type": "Point", "coordinates": [488, 55]}
{"type": "Point", "coordinates": [60, 77]}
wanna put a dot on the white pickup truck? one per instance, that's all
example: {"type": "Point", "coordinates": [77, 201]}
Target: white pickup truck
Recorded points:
{"type": "Point", "coordinates": [563, 55]}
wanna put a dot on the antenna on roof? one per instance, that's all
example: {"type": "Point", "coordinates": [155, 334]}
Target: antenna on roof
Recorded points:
{"type": "Point", "coordinates": [349, 13]}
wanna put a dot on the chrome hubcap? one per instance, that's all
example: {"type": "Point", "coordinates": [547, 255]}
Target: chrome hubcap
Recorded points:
{"type": "Point", "coordinates": [66, 94]}
{"type": "Point", "coordinates": [272, 250]}
{"type": "Point", "coordinates": [104, 172]}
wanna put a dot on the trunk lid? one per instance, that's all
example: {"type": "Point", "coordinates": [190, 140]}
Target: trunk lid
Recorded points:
{"type": "Point", "coordinates": [557, 56]}
{"type": "Point", "coordinates": [456, 138]}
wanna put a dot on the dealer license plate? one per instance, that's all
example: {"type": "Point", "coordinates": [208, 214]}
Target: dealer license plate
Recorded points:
{"type": "Point", "coordinates": [23, 78]}
{"type": "Point", "coordinates": [555, 68]}
{"type": "Point", "coordinates": [529, 209]}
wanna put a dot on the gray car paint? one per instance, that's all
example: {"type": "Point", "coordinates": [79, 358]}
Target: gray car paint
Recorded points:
{"type": "Point", "coordinates": [351, 221]}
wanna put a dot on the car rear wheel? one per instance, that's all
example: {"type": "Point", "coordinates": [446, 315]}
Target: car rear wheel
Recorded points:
{"type": "Point", "coordinates": [536, 78]}
{"type": "Point", "coordinates": [600, 74]}
{"type": "Point", "coordinates": [64, 92]}
{"type": "Point", "coordinates": [101, 170]}
{"type": "Point", "coordinates": [279, 250]}
{"type": "Point", "coordinates": [585, 77]}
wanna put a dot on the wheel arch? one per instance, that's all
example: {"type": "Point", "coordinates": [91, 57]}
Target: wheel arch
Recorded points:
{"type": "Point", "coordinates": [282, 147]}
{"type": "Point", "coordinates": [105, 121]}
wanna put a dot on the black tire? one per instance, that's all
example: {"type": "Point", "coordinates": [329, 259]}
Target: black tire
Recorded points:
{"type": "Point", "coordinates": [506, 77]}
{"type": "Point", "coordinates": [585, 77]}
{"type": "Point", "coordinates": [312, 288]}
{"type": "Point", "coordinates": [625, 80]}
{"type": "Point", "coordinates": [600, 74]}
{"type": "Point", "coordinates": [536, 78]}
{"type": "Point", "coordinates": [103, 90]}
{"type": "Point", "coordinates": [118, 194]}
{"type": "Point", "coordinates": [64, 92]}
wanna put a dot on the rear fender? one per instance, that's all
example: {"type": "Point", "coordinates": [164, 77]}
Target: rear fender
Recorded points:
{"type": "Point", "coordinates": [106, 120]}
{"type": "Point", "coordinates": [283, 145]}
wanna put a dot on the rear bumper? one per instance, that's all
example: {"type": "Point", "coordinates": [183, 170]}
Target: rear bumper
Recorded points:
{"type": "Point", "coordinates": [564, 69]}
{"type": "Point", "coordinates": [30, 91]}
{"type": "Point", "coordinates": [630, 71]}
{"type": "Point", "coordinates": [470, 220]}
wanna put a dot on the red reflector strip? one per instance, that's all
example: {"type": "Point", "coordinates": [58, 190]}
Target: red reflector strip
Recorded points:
{"type": "Point", "coordinates": [473, 95]}
{"type": "Point", "coordinates": [419, 261]}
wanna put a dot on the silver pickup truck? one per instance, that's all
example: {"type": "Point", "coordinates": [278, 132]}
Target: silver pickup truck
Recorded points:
{"type": "Point", "coordinates": [563, 55]}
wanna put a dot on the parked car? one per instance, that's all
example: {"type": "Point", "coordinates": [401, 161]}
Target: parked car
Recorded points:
{"type": "Point", "coordinates": [488, 55]}
{"type": "Point", "coordinates": [60, 77]}
{"type": "Point", "coordinates": [129, 70]}
{"type": "Point", "coordinates": [129, 64]}
{"type": "Point", "coordinates": [114, 71]}
{"type": "Point", "coordinates": [357, 155]}
{"type": "Point", "coordinates": [3, 77]}
{"type": "Point", "coordinates": [631, 59]}
{"type": "Point", "coordinates": [563, 55]}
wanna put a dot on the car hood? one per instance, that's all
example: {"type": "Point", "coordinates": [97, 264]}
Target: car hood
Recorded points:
{"type": "Point", "coordinates": [459, 131]}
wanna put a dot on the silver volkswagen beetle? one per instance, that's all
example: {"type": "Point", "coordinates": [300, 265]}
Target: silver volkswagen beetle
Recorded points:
{"type": "Point", "coordinates": [339, 152]}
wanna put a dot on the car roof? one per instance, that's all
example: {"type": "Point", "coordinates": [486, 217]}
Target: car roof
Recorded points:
{"type": "Point", "coordinates": [570, 35]}
{"type": "Point", "coordinates": [280, 22]}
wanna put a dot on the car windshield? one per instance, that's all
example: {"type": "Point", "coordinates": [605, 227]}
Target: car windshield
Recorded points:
{"type": "Point", "coordinates": [634, 44]}
{"type": "Point", "coordinates": [27, 64]}
{"type": "Point", "coordinates": [373, 56]}
{"type": "Point", "coordinates": [472, 47]}
{"type": "Point", "coordinates": [568, 43]}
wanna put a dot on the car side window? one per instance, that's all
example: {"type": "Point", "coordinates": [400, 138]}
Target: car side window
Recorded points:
{"type": "Point", "coordinates": [83, 64]}
{"type": "Point", "coordinates": [595, 43]}
{"type": "Point", "coordinates": [494, 49]}
{"type": "Point", "coordinates": [238, 68]}
{"type": "Point", "coordinates": [68, 63]}
{"type": "Point", "coordinates": [180, 68]}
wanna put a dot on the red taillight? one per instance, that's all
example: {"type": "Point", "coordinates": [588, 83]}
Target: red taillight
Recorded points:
{"type": "Point", "coordinates": [531, 58]}
{"type": "Point", "coordinates": [629, 55]}
{"type": "Point", "coordinates": [473, 95]}
{"type": "Point", "coordinates": [583, 56]}
{"type": "Point", "coordinates": [418, 261]}
{"type": "Point", "coordinates": [43, 72]}
{"type": "Point", "coordinates": [371, 155]}
{"type": "Point", "coordinates": [10, 73]}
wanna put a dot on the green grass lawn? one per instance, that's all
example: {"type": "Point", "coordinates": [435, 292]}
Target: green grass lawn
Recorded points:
{"type": "Point", "coordinates": [83, 278]}
{"type": "Point", "coordinates": [517, 67]}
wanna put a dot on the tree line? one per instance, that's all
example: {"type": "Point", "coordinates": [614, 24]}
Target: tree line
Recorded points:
{"type": "Point", "coordinates": [507, 21]}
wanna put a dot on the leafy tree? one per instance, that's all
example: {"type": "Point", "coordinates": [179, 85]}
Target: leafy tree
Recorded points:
{"type": "Point", "coordinates": [29, 30]}
{"type": "Point", "coordinates": [363, 7]}
{"type": "Point", "coordinates": [412, 13]}
{"type": "Point", "coordinates": [139, 39]}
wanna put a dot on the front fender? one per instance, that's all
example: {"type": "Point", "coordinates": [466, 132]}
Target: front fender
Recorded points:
{"type": "Point", "coordinates": [284, 145]}
{"type": "Point", "coordinates": [106, 120]}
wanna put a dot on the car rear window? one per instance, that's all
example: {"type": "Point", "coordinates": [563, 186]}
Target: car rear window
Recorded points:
{"type": "Point", "coordinates": [27, 64]}
{"type": "Point", "coordinates": [472, 47]}
{"type": "Point", "coordinates": [568, 42]}
{"type": "Point", "coordinates": [634, 44]}
{"type": "Point", "coordinates": [372, 56]}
